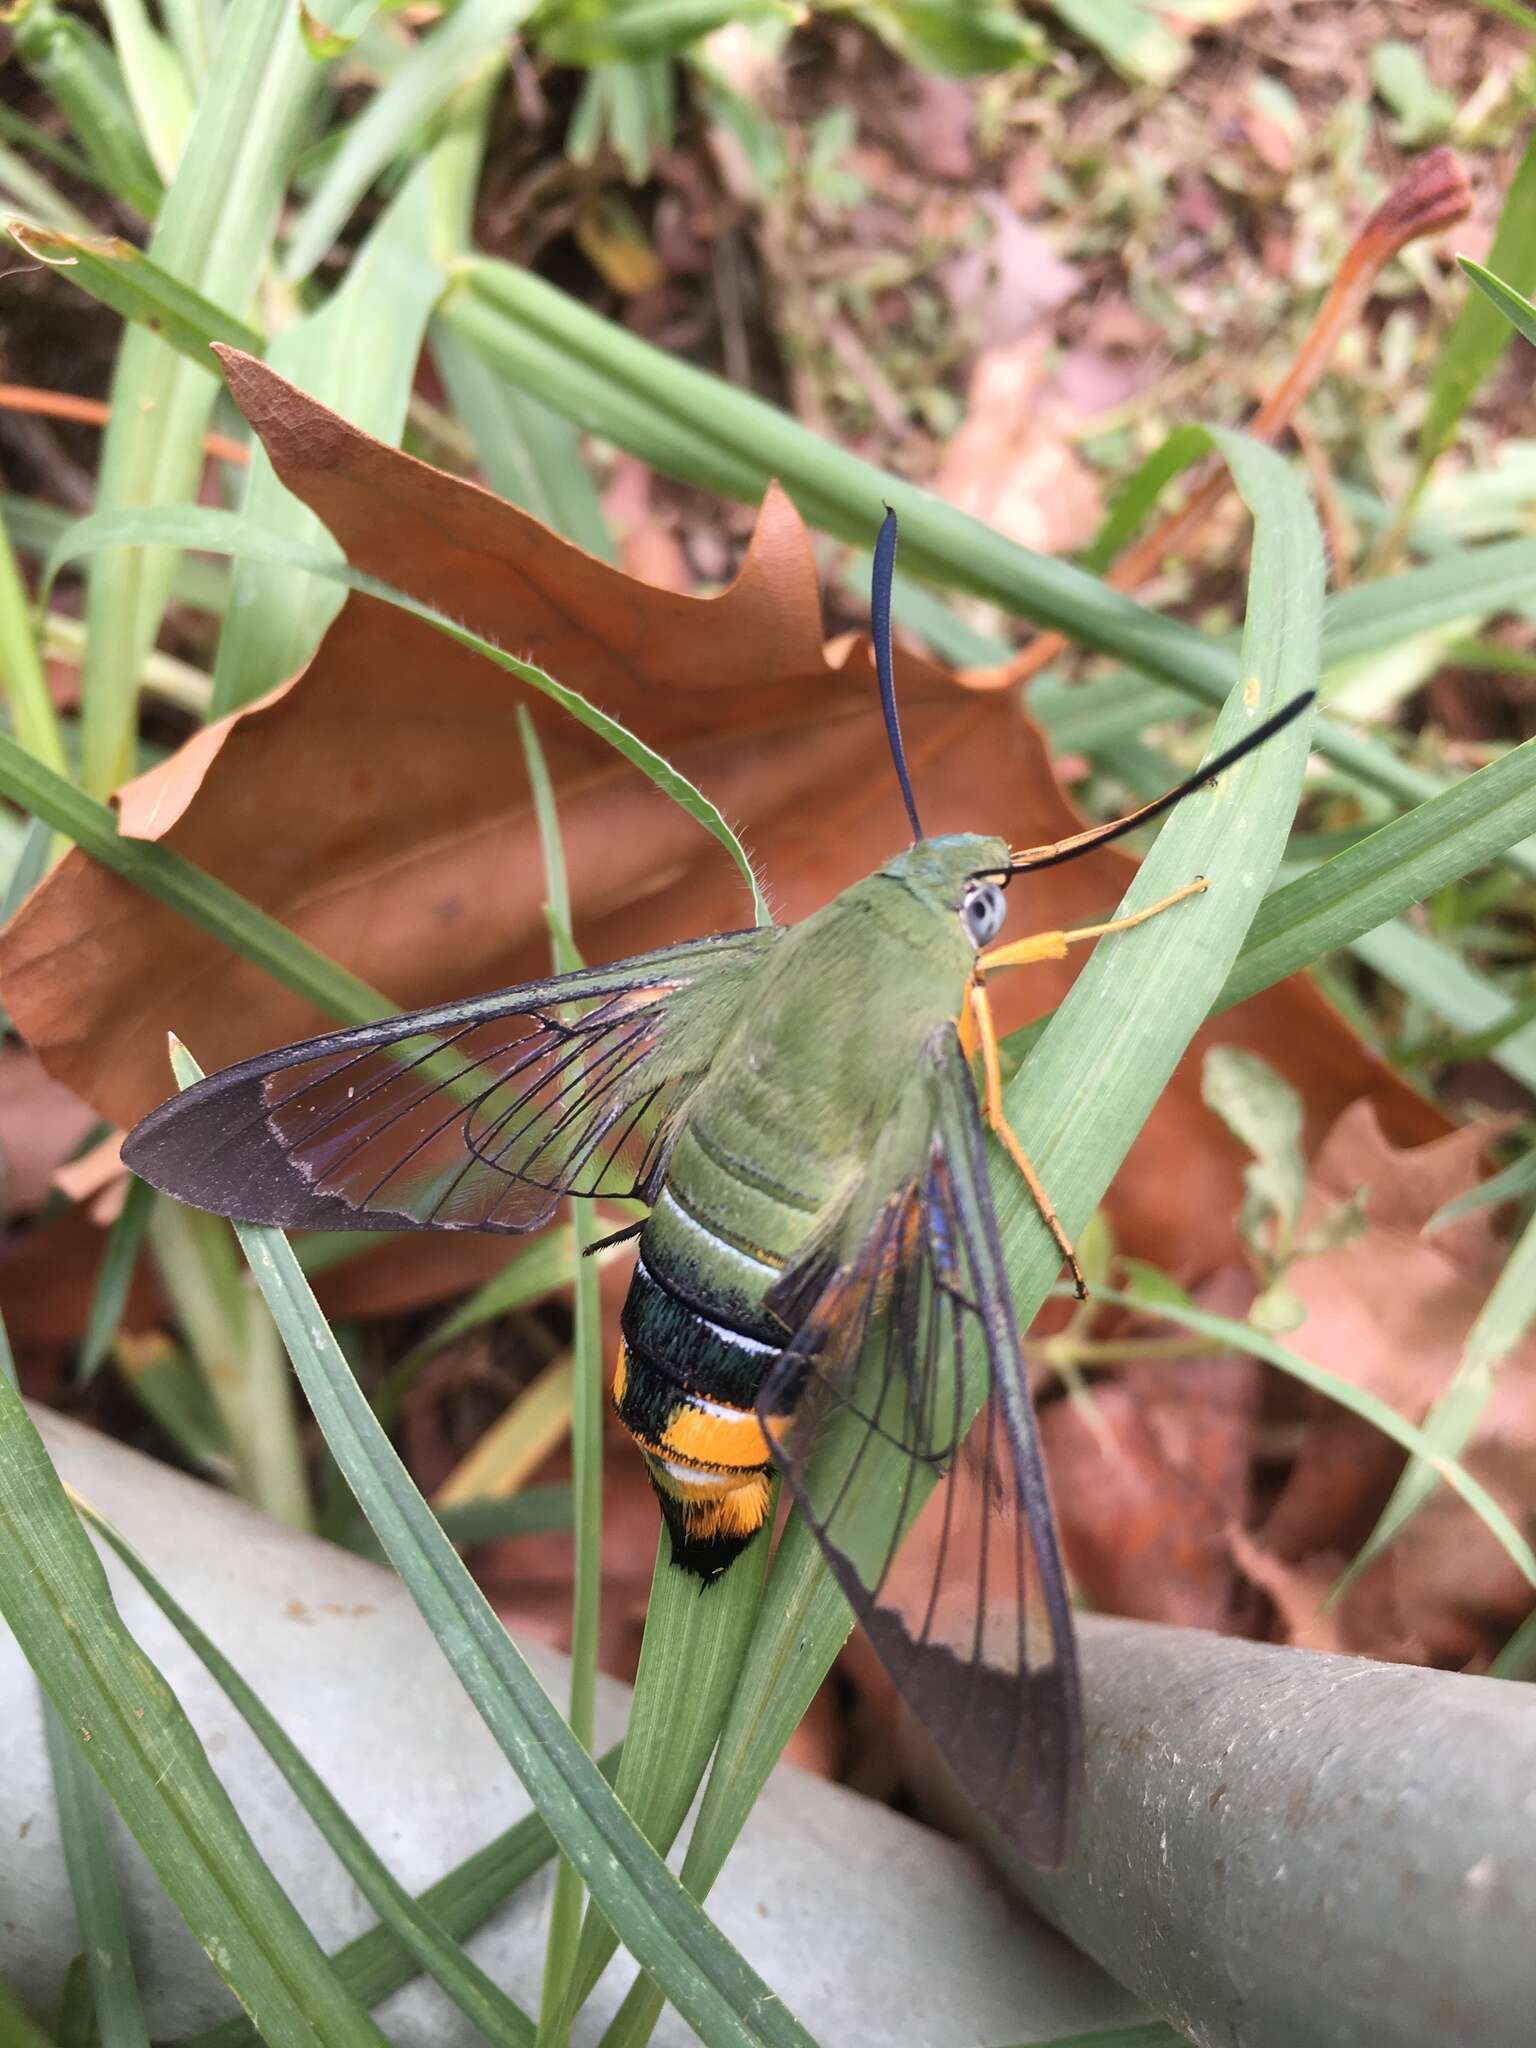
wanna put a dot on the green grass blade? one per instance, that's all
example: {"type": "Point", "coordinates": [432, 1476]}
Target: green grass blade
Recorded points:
{"type": "Point", "coordinates": [238, 1355]}
{"type": "Point", "coordinates": [587, 1407]}
{"type": "Point", "coordinates": [1480, 332]}
{"type": "Point", "coordinates": [1087, 1085]}
{"type": "Point", "coordinates": [18, 2029]}
{"type": "Point", "coordinates": [1429, 971]}
{"type": "Point", "coordinates": [23, 685]}
{"type": "Point", "coordinates": [691, 1658]}
{"type": "Point", "coordinates": [375, 1964]}
{"type": "Point", "coordinates": [79, 72]}
{"type": "Point", "coordinates": [1501, 1322]}
{"type": "Point", "coordinates": [1517, 1659]}
{"type": "Point", "coordinates": [165, 1384]}
{"type": "Point", "coordinates": [132, 1732]}
{"type": "Point", "coordinates": [226, 533]}
{"type": "Point", "coordinates": [482, 2002]}
{"type": "Point", "coordinates": [41, 203]}
{"type": "Point", "coordinates": [1515, 1183]}
{"type": "Point", "coordinates": [123, 277]}
{"type": "Point", "coordinates": [357, 353]}
{"type": "Point", "coordinates": [94, 1888]}
{"type": "Point", "coordinates": [157, 86]}
{"type": "Point", "coordinates": [1341, 900]}
{"type": "Point", "coordinates": [640, 29]}
{"type": "Point", "coordinates": [531, 456]}
{"type": "Point", "coordinates": [114, 1276]}
{"type": "Point", "coordinates": [189, 26]}
{"type": "Point", "coordinates": [214, 232]}
{"type": "Point", "coordinates": [708, 1981]}
{"type": "Point", "coordinates": [1358, 1400]}
{"type": "Point", "coordinates": [1514, 305]}
{"type": "Point", "coordinates": [445, 58]}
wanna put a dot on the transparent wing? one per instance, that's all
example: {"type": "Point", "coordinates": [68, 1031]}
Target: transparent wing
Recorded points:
{"type": "Point", "coordinates": [477, 1115]}
{"type": "Point", "coordinates": [940, 1530]}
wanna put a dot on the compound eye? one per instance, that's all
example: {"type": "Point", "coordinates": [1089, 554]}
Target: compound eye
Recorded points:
{"type": "Point", "coordinates": [983, 911]}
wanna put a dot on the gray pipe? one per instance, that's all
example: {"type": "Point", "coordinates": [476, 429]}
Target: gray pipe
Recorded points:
{"type": "Point", "coordinates": [1281, 1849]}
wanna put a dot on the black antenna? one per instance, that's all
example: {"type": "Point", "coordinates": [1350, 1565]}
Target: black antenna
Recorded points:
{"type": "Point", "coordinates": [1031, 857]}
{"type": "Point", "coordinates": [880, 630]}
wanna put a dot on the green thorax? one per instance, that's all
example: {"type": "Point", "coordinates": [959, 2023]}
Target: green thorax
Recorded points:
{"type": "Point", "coordinates": [830, 1033]}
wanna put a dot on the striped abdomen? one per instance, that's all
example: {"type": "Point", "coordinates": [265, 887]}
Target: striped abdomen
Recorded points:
{"type": "Point", "coordinates": [698, 1345]}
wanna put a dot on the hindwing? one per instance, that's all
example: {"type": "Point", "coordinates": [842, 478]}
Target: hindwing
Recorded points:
{"type": "Point", "coordinates": [938, 1528]}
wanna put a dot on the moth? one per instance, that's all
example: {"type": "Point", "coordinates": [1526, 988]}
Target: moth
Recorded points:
{"type": "Point", "coordinates": [819, 1288]}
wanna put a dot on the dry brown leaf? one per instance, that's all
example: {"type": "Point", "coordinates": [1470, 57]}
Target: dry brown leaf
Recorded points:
{"type": "Point", "coordinates": [41, 1124]}
{"type": "Point", "coordinates": [1013, 461]}
{"type": "Point", "coordinates": [1147, 1489]}
{"type": "Point", "coordinates": [1297, 1595]}
{"type": "Point", "coordinates": [1390, 1312]}
{"type": "Point", "coordinates": [378, 806]}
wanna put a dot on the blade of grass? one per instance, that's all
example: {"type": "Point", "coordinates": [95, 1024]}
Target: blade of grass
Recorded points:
{"type": "Point", "coordinates": [531, 1511]}
{"type": "Point", "coordinates": [94, 1888]}
{"type": "Point", "coordinates": [483, 2003]}
{"type": "Point", "coordinates": [123, 277]}
{"type": "Point", "coordinates": [226, 533]}
{"type": "Point", "coordinates": [1480, 332]}
{"type": "Point", "coordinates": [165, 1383]}
{"type": "Point", "coordinates": [1424, 968]}
{"type": "Point", "coordinates": [157, 86]}
{"type": "Point", "coordinates": [1513, 1184]}
{"type": "Point", "coordinates": [1514, 305]}
{"type": "Point", "coordinates": [24, 186]}
{"type": "Point", "coordinates": [691, 1658]}
{"type": "Point", "coordinates": [132, 1732]}
{"type": "Point", "coordinates": [375, 1964]}
{"type": "Point", "coordinates": [37, 142]}
{"type": "Point", "coordinates": [1084, 1090]}
{"type": "Point", "coordinates": [77, 2009]}
{"type": "Point", "coordinates": [1517, 1659]}
{"type": "Point", "coordinates": [1463, 828]}
{"type": "Point", "coordinates": [214, 232]}
{"type": "Point", "coordinates": [18, 2029]}
{"type": "Point", "coordinates": [79, 72]}
{"type": "Point", "coordinates": [586, 1425]}
{"type": "Point", "coordinates": [446, 56]}
{"type": "Point", "coordinates": [114, 1277]}
{"type": "Point", "coordinates": [531, 456]}
{"type": "Point", "coordinates": [1501, 1322]}
{"type": "Point", "coordinates": [23, 684]}
{"type": "Point", "coordinates": [357, 353]}
{"type": "Point", "coordinates": [190, 24]}
{"type": "Point", "coordinates": [708, 1981]}
{"type": "Point", "coordinates": [238, 1355]}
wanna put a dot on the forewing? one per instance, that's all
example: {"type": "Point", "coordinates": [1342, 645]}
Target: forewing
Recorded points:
{"type": "Point", "coordinates": [478, 1115]}
{"type": "Point", "coordinates": [940, 1530]}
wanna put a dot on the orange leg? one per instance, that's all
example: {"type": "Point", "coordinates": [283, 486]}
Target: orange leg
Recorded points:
{"type": "Point", "coordinates": [1053, 945]}
{"type": "Point", "coordinates": [977, 1029]}
{"type": "Point", "coordinates": [980, 1010]}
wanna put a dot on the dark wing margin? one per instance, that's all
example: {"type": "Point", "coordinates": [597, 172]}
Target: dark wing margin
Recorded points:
{"type": "Point", "coordinates": [940, 1531]}
{"type": "Point", "coordinates": [475, 1115]}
